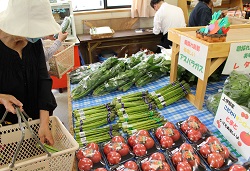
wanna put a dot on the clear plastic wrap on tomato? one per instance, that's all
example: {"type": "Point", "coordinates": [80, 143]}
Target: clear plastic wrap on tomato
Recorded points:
{"type": "Point", "coordinates": [91, 152]}
{"type": "Point", "coordinates": [130, 165]}
{"type": "Point", "coordinates": [142, 143]}
{"type": "Point", "coordinates": [116, 151]}
{"type": "Point", "coordinates": [185, 157]}
{"type": "Point", "coordinates": [194, 130]}
{"type": "Point", "coordinates": [168, 136]}
{"type": "Point", "coordinates": [156, 161]}
{"type": "Point", "coordinates": [238, 167]}
{"type": "Point", "coordinates": [215, 154]}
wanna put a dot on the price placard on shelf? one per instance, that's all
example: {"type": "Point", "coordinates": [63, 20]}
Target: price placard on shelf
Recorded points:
{"type": "Point", "coordinates": [193, 56]}
{"type": "Point", "coordinates": [238, 58]}
{"type": "Point", "coordinates": [234, 123]}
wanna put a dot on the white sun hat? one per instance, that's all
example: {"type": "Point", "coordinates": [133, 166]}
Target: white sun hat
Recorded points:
{"type": "Point", "coordinates": [29, 18]}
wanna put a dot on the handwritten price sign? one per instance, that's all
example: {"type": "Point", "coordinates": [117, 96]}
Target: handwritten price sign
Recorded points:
{"type": "Point", "coordinates": [193, 56]}
{"type": "Point", "coordinates": [234, 123]}
{"type": "Point", "coordinates": [238, 58]}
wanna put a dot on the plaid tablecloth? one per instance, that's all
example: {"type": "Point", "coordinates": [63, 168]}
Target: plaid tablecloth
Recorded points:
{"type": "Point", "coordinates": [175, 112]}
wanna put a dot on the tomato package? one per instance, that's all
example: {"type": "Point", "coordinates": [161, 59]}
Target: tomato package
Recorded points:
{"type": "Point", "coordinates": [216, 155]}
{"type": "Point", "coordinates": [142, 143]}
{"type": "Point", "coordinates": [185, 158]}
{"type": "Point", "coordinates": [156, 161]}
{"type": "Point", "coordinates": [168, 136]}
{"type": "Point", "coordinates": [90, 158]}
{"type": "Point", "coordinates": [130, 165]}
{"type": "Point", "coordinates": [116, 151]}
{"type": "Point", "coordinates": [193, 130]}
{"type": "Point", "coordinates": [238, 167]}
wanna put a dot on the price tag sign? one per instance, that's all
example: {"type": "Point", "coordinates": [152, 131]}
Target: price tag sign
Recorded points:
{"type": "Point", "coordinates": [193, 56]}
{"type": "Point", "coordinates": [238, 58]}
{"type": "Point", "coordinates": [234, 123]}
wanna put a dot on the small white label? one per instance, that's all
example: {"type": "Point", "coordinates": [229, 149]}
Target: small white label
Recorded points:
{"type": "Point", "coordinates": [161, 98]}
{"type": "Point", "coordinates": [83, 140]}
{"type": "Point", "coordinates": [81, 112]}
{"type": "Point", "coordinates": [125, 124]}
{"type": "Point", "coordinates": [82, 117]}
{"type": "Point", "coordinates": [153, 93]}
{"type": "Point", "coordinates": [134, 131]}
{"type": "Point", "coordinates": [122, 109]}
{"type": "Point", "coordinates": [125, 116]}
{"type": "Point", "coordinates": [82, 134]}
{"type": "Point", "coordinates": [119, 98]}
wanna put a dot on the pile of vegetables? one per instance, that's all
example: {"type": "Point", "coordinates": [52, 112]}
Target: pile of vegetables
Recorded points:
{"type": "Point", "coordinates": [237, 87]}
{"type": "Point", "coordinates": [95, 124]}
{"type": "Point", "coordinates": [136, 111]}
{"type": "Point", "coordinates": [119, 74]}
{"type": "Point", "coordinates": [170, 94]}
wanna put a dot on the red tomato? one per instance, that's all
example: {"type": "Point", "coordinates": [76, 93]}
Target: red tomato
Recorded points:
{"type": "Point", "coordinates": [113, 157]}
{"type": "Point", "coordinates": [139, 150]}
{"type": "Point", "coordinates": [194, 135]}
{"type": "Point", "coordinates": [169, 125]}
{"type": "Point", "coordinates": [176, 158]}
{"type": "Point", "coordinates": [225, 152]}
{"type": "Point", "coordinates": [237, 167]}
{"type": "Point", "coordinates": [118, 139]}
{"type": "Point", "coordinates": [79, 154]}
{"type": "Point", "coordinates": [215, 160]}
{"type": "Point", "coordinates": [100, 169]}
{"type": "Point", "coordinates": [159, 132]}
{"type": "Point", "coordinates": [157, 156]}
{"type": "Point", "coordinates": [166, 142]}
{"type": "Point", "coordinates": [146, 166]}
{"type": "Point", "coordinates": [184, 166]}
{"type": "Point", "coordinates": [165, 167]}
{"type": "Point", "coordinates": [193, 118]}
{"type": "Point", "coordinates": [185, 127]}
{"type": "Point", "coordinates": [93, 146]}
{"type": "Point", "coordinates": [124, 150]}
{"type": "Point", "coordinates": [96, 158]}
{"type": "Point", "coordinates": [205, 150]}
{"type": "Point", "coordinates": [132, 140]}
{"type": "Point", "coordinates": [131, 165]}
{"type": "Point", "coordinates": [107, 148]}
{"type": "Point", "coordinates": [176, 135]}
{"type": "Point", "coordinates": [245, 138]}
{"type": "Point", "coordinates": [212, 139]}
{"type": "Point", "coordinates": [195, 161]}
{"type": "Point", "coordinates": [186, 147]}
{"type": "Point", "coordinates": [202, 128]}
{"type": "Point", "coordinates": [85, 164]}
{"type": "Point", "coordinates": [149, 143]}
{"type": "Point", "coordinates": [143, 133]}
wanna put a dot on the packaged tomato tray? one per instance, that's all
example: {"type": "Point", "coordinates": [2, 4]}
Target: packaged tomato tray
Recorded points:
{"type": "Point", "coordinates": [167, 136]}
{"type": "Point", "coordinates": [157, 161]}
{"type": "Point", "coordinates": [142, 143]}
{"type": "Point", "coordinates": [185, 157]}
{"type": "Point", "coordinates": [130, 165]}
{"type": "Point", "coordinates": [116, 152]}
{"type": "Point", "coordinates": [215, 155]}
{"type": "Point", "coordinates": [193, 130]}
{"type": "Point", "coordinates": [90, 158]}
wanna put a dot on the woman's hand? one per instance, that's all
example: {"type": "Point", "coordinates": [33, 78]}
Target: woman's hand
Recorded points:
{"type": "Point", "coordinates": [8, 101]}
{"type": "Point", "coordinates": [44, 132]}
{"type": "Point", "coordinates": [62, 36]}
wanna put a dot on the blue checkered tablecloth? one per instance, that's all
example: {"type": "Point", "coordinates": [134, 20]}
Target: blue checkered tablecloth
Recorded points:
{"type": "Point", "coordinates": [175, 112]}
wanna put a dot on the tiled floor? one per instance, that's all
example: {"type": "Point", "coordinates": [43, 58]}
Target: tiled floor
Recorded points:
{"type": "Point", "coordinates": [62, 106]}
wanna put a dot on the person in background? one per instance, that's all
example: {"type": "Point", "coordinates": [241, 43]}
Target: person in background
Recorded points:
{"type": "Point", "coordinates": [51, 50]}
{"type": "Point", "coordinates": [202, 13]}
{"type": "Point", "coordinates": [24, 79]}
{"type": "Point", "coordinates": [167, 16]}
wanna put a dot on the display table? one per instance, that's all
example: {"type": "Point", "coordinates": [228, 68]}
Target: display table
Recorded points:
{"type": "Point", "coordinates": [175, 112]}
{"type": "Point", "coordinates": [120, 38]}
{"type": "Point", "coordinates": [217, 54]}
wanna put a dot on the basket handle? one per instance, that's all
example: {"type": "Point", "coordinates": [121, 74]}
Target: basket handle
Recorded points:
{"type": "Point", "coordinates": [20, 115]}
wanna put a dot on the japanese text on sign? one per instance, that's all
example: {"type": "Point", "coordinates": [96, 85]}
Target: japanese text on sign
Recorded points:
{"type": "Point", "coordinates": [233, 122]}
{"type": "Point", "coordinates": [238, 58]}
{"type": "Point", "coordinates": [193, 56]}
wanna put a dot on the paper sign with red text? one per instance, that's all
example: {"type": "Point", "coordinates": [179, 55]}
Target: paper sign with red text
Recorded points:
{"type": "Point", "coordinates": [193, 56]}
{"type": "Point", "coordinates": [238, 58]}
{"type": "Point", "coordinates": [234, 123]}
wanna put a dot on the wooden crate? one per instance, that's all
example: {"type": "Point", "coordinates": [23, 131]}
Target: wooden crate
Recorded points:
{"type": "Point", "coordinates": [217, 54]}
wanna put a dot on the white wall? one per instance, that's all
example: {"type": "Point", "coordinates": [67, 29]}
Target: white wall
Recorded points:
{"type": "Point", "coordinates": [3, 4]}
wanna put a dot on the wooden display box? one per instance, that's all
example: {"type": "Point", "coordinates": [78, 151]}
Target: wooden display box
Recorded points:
{"type": "Point", "coordinates": [217, 54]}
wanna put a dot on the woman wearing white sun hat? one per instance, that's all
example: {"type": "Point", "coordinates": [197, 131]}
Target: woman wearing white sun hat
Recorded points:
{"type": "Point", "coordinates": [24, 79]}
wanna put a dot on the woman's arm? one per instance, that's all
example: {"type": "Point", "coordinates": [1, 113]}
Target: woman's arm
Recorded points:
{"type": "Point", "coordinates": [44, 131]}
